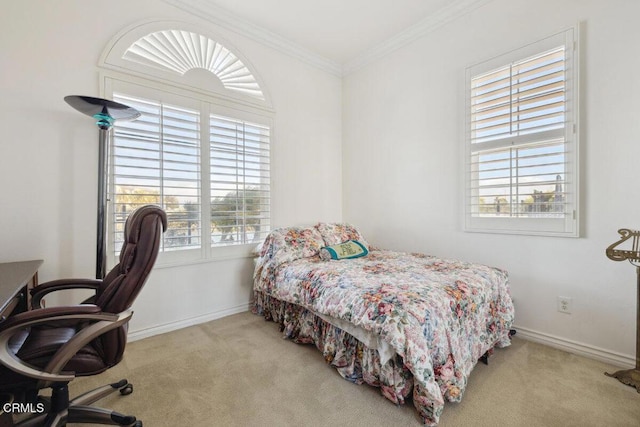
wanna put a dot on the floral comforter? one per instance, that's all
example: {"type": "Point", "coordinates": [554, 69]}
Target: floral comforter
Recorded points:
{"type": "Point", "coordinates": [440, 316]}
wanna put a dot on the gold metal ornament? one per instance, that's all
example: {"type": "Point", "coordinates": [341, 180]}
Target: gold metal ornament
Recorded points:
{"type": "Point", "coordinates": [629, 377]}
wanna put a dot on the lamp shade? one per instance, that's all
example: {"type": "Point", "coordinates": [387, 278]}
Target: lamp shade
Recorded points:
{"type": "Point", "coordinates": [103, 110]}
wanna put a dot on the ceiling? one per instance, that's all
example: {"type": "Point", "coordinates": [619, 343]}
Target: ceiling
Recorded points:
{"type": "Point", "coordinates": [338, 30]}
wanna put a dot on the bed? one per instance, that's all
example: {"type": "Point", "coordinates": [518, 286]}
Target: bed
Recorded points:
{"type": "Point", "coordinates": [411, 324]}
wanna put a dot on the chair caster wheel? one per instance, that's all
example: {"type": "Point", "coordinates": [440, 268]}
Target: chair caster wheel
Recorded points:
{"type": "Point", "coordinates": [128, 389]}
{"type": "Point", "coordinates": [137, 424]}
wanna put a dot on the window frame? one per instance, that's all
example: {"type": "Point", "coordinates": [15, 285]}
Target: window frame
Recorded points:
{"type": "Point", "coordinates": [208, 103]}
{"type": "Point", "coordinates": [568, 226]}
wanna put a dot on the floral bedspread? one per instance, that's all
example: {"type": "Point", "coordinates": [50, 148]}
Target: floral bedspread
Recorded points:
{"type": "Point", "coordinates": [439, 315]}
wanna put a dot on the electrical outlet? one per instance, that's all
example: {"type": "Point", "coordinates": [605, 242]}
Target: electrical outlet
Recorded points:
{"type": "Point", "coordinates": [565, 305]}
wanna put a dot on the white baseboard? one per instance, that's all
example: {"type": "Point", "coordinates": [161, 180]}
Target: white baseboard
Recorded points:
{"type": "Point", "coordinates": [173, 326]}
{"type": "Point", "coordinates": [596, 353]}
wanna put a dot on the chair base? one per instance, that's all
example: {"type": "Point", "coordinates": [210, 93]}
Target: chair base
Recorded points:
{"type": "Point", "coordinates": [61, 410]}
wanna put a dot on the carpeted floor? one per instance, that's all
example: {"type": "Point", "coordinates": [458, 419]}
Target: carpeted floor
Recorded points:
{"type": "Point", "coordinates": [238, 371]}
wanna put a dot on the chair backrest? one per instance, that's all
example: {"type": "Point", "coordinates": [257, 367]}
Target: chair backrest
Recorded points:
{"type": "Point", "coordinates": [142, 237]}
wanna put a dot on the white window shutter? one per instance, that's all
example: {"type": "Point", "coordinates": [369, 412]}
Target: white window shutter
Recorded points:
{"type": "Point", "coordinates": [521, 145]}
{"type": "Point", "coordinates": [156, 159]}
{"type": "Point", "coordinates": [215, 193]}
{"type": "Point", "coordinates": [240, 181]}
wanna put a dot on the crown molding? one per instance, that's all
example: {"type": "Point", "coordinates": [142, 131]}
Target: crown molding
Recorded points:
{"type": "Point", "coordinates": [226, 19]}
{"type": "Point", "coordinates": [452, 11]}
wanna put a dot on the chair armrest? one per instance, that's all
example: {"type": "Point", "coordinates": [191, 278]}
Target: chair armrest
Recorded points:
{"type": "Point", "coordinates": [38, 292]}
{"type": "Point", "coordinates": [103, 322]}
{"type": "Point", "coordinates": [51, 314]}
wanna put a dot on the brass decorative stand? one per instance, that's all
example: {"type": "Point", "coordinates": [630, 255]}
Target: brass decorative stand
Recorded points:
{"type": "Point", "coordinates": [629, 377]}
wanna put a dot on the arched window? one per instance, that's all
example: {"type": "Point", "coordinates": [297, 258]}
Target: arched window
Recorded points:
{"type": "Point", "coordinates": [201, 148]}
{"type": "Point", "coordinates": [181, 51]}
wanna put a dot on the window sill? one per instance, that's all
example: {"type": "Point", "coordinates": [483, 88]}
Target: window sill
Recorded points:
{"type": "Point", "coordinates": [173, 259]}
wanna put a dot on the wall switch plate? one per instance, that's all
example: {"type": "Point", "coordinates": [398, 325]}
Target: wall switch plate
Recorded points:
{"type": "Point", "coordinates": [565, 305]}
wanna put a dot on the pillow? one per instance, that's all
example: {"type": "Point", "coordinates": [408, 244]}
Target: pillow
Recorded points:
{"type": "Point", "coordinates": [347, 250]}
{"type": "Point", "coordinates": [292, 243]}
{"type": "Point", "coordinates": [334, 233]}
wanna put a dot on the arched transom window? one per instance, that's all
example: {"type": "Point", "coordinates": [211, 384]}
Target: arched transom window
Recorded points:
{"type": "Point", "coordinates": [180, 51]}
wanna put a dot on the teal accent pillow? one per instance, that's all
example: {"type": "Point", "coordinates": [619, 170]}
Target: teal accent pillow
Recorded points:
{"type": "Point", "coordinates": [336, 232]}
{"type": "Point", "coordinates": [346, 250]}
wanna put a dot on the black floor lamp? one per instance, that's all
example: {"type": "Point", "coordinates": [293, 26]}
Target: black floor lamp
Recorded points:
{"type": "Point", "coordinates": [106, 112]}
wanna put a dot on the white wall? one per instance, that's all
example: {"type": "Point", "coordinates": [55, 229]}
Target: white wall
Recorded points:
{"type": "Point", "coordinates": [401, 122]}
{"type": "Point", "coordinates": [403, 119]}
{"type": "Point", "coordinates": [48, 151]}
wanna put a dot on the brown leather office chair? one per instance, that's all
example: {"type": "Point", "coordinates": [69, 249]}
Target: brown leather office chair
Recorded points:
{"type": "Point", "coordinates": [49, 347]}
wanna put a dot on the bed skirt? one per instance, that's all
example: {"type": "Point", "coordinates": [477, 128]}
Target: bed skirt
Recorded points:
{"type": "Point", "coordinates": [353, 360]}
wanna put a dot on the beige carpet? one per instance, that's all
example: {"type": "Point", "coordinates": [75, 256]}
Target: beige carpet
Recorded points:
{"type": "Point", "coordinates": [238, 371]}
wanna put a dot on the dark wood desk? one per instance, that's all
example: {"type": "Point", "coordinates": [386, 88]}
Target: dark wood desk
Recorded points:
{"type": "Point", "coordinates": [16, 278]}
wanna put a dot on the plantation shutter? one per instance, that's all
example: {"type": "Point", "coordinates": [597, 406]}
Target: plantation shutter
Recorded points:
{"type": "Point", "coordinates": [240, 181]}
{"type": "Point", "coordinates": [156, 159]}
{"type": "Point", "coordinates": [521, 145]}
